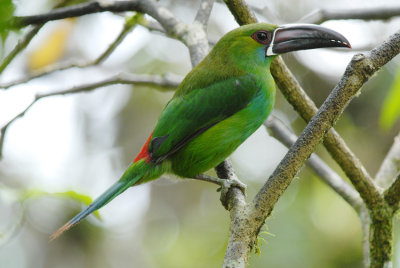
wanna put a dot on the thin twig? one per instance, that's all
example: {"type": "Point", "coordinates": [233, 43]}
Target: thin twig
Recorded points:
{"type": "Point", "coordinates": [76, 11]}
{"type": "Point", "coordinates": [320, 15]}
{"type": "Point", "coordinates": [193, 36]}
{"type": "Point", "coordinates": [21, 45]}
{"type": "Point", "coordinates": [43, 72]}
{"type": "Point", "coordinates": [204, 12]}
{"type": "Point", "coordinates": [130, 23]}
{"type": "Point", "coordinates": [166, 82]}
{"type": "Point", "coordinates": [329, 176]}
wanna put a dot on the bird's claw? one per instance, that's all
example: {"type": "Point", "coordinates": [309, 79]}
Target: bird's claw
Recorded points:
{"type": "Point", "coordinates": [226, 185]}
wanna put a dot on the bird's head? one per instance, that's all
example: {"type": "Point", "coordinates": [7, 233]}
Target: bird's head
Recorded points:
{"type": "Point", "coordinates": [264, 41]}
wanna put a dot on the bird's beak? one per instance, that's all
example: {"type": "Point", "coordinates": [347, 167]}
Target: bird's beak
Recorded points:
{"type": "Point", "coordinates": [304, 36]}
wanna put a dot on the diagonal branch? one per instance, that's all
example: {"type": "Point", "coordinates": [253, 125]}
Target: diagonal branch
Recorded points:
{"type": "Point", "coordinates": [21, 45]}
{"type": "Point", "coordinates": [390, 166]}
{"type": "Point", "coordinates": [129, 25]}
{"type": "Point", "coordinates": [357, 73]}
{"type": "Point", "coordinates": [360, 69]}
{"type": "Point", "coordinates": [204, 12]}
{"type": "Point", "coordinates": [335, 145]}
{"type": "Point", "coordinates": [166, 82]}
{"type": "Point", "coordinates": [297, 97]}
{"type": "Point", "coordinates": [241, 11]}
{"type": "Point", "coordinates": [392, 194]}
{"type": "Point", "coordinates": [320, 15]}
{"type": "Point", "coordinates": [330, 177]}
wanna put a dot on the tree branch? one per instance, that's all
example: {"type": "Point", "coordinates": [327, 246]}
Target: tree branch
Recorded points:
{"type": "Point", "coordinates": [297, 97]}
{"type": "Point", "coordinates": [335, 145]}
{"type": "Point", "coordinates": [76, 11]}
{"type": "Point", "coordinates": [329, 176]}
{"type": "Point", "coordinates": [392, 194]}
{"type": "Point", "coordinates": [193, 36]}
{"type": "Point", "coordinates": [239, 240]}
{"type": "Point", "coordinates": [204, 12]}
{"type": "Point", "coordinates": [166, 82]}
{"type": "Point", "coordinates": [21, 45]}
{"type": "Point", "coordinates": [130, 23]}
{"type": "Point", "coordinates": [320, 15]}
{"type": "Point", "coordinates": [151, 7]}
{"type": "Point", "coordinates": [43, 72]}
{"type": "Point", "coordinates": [240, 10]}
{"type": "Point", "coordinates": [234, 200]}
{"type": "Point", "coordinates": [390, 166]}
{"type": "Point", "coordinates": [357, 73]}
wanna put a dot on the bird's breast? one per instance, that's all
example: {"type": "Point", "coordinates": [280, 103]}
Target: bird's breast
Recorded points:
{"type": "Point", "coordinates": [215, 144]}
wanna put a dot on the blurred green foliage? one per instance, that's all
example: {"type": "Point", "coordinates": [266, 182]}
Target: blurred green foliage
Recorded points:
{"type": "Point", "coordinates": [6, 13]}
{"type": "Point", "coordinates": [390, 112]}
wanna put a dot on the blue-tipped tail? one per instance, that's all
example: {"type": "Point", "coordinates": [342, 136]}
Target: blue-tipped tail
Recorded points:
{"type": "Point", "coordinates": [132, 176]}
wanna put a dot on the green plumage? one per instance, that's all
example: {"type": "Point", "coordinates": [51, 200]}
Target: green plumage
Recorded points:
{"type": "Point", "coordinates": [218, 105]}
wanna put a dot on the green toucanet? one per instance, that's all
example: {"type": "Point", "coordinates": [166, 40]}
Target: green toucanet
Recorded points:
{"type": "Point", "coordinates": [218, 105]}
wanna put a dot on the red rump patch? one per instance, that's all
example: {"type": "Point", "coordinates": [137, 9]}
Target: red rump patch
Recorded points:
{"type": "Point", "coordinates": [144, 153]}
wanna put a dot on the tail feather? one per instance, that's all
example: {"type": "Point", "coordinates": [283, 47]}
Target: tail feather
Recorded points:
{"type": "Point", "coordinates": [132, 175]}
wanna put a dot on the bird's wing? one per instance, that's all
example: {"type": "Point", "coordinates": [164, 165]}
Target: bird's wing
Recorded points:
{"type": "Point", "coordinates": [188, 115]}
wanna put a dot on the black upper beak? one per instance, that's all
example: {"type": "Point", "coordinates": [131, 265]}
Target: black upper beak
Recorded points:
{"type": "Point", "coordinates": [304, 36]}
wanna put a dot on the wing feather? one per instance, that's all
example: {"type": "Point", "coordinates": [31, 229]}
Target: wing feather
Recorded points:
{"type": "Point", "coordinates": [188, 115]}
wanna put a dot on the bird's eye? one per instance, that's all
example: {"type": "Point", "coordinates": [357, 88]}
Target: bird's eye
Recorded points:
{"type": "Point", "coordinates": [262, 37]}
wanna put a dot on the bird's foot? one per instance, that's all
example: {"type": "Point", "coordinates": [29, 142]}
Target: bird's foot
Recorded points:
{"type": "Point", "coordinates": [225, 185]}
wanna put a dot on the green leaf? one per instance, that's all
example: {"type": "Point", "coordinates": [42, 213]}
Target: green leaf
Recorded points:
{"type": "Point", "coordinates": [81, 198]}
{"type": "Point", "coordinates": [6, 13]}
{"type": "Point", "coordinates": [391, 106]}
